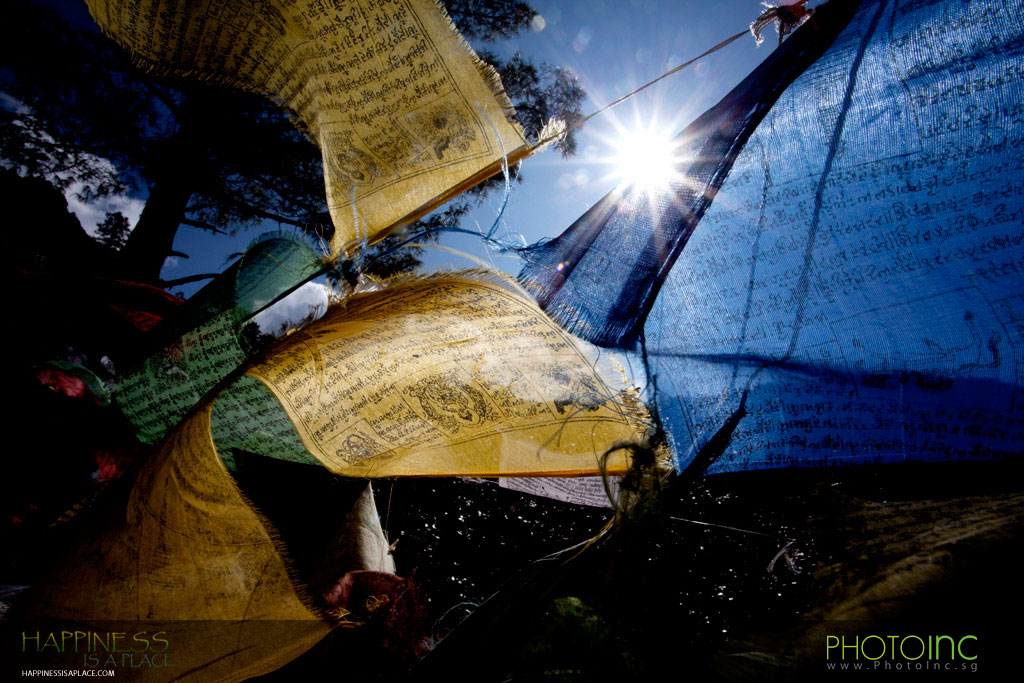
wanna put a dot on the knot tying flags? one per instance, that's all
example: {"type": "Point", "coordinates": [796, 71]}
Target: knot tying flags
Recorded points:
{"type": "Point", "coordinates": [785, 17]}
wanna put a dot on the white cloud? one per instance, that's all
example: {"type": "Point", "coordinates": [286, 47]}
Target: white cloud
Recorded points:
{"type": "Point", "coordinates": [293, 307]}
{"type": "Point", "coordinates": [91, 213]}
{"type": "Point", "coordinates": [13, 104]}
{"type": "Point", "coordinates": [88, 213]}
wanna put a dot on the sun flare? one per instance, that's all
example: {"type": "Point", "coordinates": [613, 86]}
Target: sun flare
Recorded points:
{"type": "Point", "coordinates": [646, 158]}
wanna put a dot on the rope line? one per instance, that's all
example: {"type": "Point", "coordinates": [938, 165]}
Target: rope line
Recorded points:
{"type": "Point", "coordinates": [786, 17]}
{"type": "Point", "coordinates": [579, 122]}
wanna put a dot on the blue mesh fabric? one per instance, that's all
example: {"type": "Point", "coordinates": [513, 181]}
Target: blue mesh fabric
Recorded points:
{"type": "Point", "coordinates": [859, 275]}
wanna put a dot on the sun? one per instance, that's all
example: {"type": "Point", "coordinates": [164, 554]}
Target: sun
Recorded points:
{"type": "Point", "coordinates": [646, 158]}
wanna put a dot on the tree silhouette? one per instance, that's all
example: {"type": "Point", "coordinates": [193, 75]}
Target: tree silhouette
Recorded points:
{"type": "Point", "coordinates": [113, 230]}
{"type": "Point", "coordinates": [76, 112]}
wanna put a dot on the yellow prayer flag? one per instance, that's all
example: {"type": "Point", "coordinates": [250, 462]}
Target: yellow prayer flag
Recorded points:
{"type": "Point", "coordinates": [186, 559]}
{"type": "Point", "coordinates": [448, 376]}
{"type": "Point", "coordinates": [405, 114]}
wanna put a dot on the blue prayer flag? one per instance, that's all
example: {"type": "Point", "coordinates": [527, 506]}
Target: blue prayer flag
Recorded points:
{"type": "Point", "coordinates": [851, 268]}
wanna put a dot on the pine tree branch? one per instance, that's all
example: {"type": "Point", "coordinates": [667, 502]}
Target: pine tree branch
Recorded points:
{"type": "Point", "coordinates": [203, 225]}
{"type": "Point", "coordinates": [271, 216]}
{"type": "Point", "coordinates": [186, 280]}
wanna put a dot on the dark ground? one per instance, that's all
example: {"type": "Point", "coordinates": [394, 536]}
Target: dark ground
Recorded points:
{"type": "Point", "coordinates": [663, 597]}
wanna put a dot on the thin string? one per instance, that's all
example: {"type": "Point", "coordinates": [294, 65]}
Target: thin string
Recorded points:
{"type": "Point", "coordinates": [387, 515]}
{"type": "Point", "coordinates": [504, 172]}
{"type": "Point", "coordinates": [733, 528]}
{"type": "Point", "coordinates": [786, 17]}
{"type": "Point", "coordinates": [579, 122]}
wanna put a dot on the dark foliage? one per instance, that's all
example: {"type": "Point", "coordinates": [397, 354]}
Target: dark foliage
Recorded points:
{"type": "Point", "coordinates": [541, 92]}
{"type": "Point", "coordinates": [209, 158]}
{"type": "Point", "coordinates": [487, 20]}
{"type": "Point", "coordinates": [77, 112]}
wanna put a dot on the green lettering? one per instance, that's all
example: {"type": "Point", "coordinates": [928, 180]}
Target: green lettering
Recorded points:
{"type": "Point", "coordinates": [919, 654]}
{"type": "Point", "coordinates": [959, 645]}
{"type": "Point", "coordinates": [866, 654]}
{"type": "Point", "coordinates": [828, 647]}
